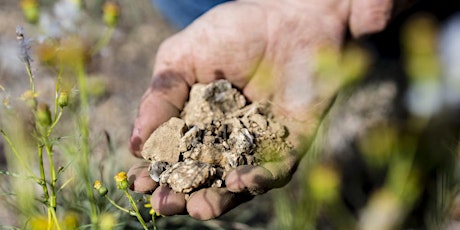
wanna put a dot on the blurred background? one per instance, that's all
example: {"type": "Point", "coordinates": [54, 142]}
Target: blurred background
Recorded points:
{"type": "Point", "coordinates": [385, 156]}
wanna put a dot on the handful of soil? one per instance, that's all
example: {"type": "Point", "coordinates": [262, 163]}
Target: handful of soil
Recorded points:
{"type": "Point", "coordinates": [217, 131]}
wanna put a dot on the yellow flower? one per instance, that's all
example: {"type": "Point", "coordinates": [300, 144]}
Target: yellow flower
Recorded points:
{"type": "Point", "coordinates": [122, 180]}
{"type": "Point", "coordinates": [97, 184]}
{"type": "Point", "coordinates": [121, 176]}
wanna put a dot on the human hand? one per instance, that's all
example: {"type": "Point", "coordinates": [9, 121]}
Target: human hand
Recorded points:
{"type": "Point", "coordinates": [265, 48]}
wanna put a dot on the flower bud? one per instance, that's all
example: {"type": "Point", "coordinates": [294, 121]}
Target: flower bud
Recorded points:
{"type": "Point", "coordinates": [63, 99]}
{"type": "Point", "coordinates": [101, 189]}
{"type": "Point", "coordinates": [121, 180]}
{"type": "Point", "coordinates": [111, 13]}
{"type": "Point", "coordinates": [43, 114]}
{"type": "Point", "coordinates": [30, 10]}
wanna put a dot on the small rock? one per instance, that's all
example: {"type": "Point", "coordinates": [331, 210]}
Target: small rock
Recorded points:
{"type": "Point", "coordinates": [188, 175]}
{"type": "Point", "coordinates": [163, 144]}
{"type": "Point", "coordinates": [156, 168]}
{"type": "Point", "coordinates": [190, 139]}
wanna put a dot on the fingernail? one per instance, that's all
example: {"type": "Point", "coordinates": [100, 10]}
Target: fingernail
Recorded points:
{"type": "Point", "coordinates": [131, 187]}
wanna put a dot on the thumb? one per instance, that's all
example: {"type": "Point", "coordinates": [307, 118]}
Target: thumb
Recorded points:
{"type": "Point", "coordinates": [167, 93]}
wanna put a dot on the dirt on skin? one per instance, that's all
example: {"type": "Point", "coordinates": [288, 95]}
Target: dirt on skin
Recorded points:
{"type": "Point", "coordinates": [217, 131]}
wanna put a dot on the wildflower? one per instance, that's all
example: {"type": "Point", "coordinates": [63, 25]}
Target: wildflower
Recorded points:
{"type": "Point", "coordinates": [121, 180]}
{"type": "Point", "coordinates": [101, 189]}
{"type": "Point", "coordinates": [43, 114]}
{"type": "Point", "coordinates": [31, 10]}
{"type": "Point", "coordinates": [111, 13]}
{"type": "Point", "coordinates": [63, 99]}
{"type": "Point", "coordinates": [97, 184]}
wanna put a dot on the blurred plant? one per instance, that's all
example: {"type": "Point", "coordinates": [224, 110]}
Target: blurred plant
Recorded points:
{"type": "Point", "coordinates": [320, 191]}
{"type": "Point", "coordinates": [111, 14]}
{"type": "Point", "coordinates": [44, 126]}
{"type": "Point", "coordinates": [336, 71]}
{"type": "Point", "coordinates": [59, 164]}
{"type": "Point", "coordinates": [411, 162]}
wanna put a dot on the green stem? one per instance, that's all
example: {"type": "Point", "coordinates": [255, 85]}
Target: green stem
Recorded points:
{"type": "Point", "coordinates": [31, 76]}
{"type": "Point", "coordinates": [49, 151]}
{"type": "Point", "coordinates": [50, 219]}
{"type": "Point", "coordinates": [49, 202]}
{"type": "Point", "coordinates": [55, 122]}
{"type": "Point", "coordinates": [57, 90]}
{"type": "Point", "coordinates": [17, 155]}
{"type": "Point", "coordinates": [42, 174]}
{"type": "Point", "coordinates": [56, 222]}
{"type": "Point", "coordinates": [136, 210]}
{"type": "Point", "coordinates": [104, 40]}
{"type": "Point", "coordinates": [84, 130]}
{"type": "Point", "coordinates": [116, 205]}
